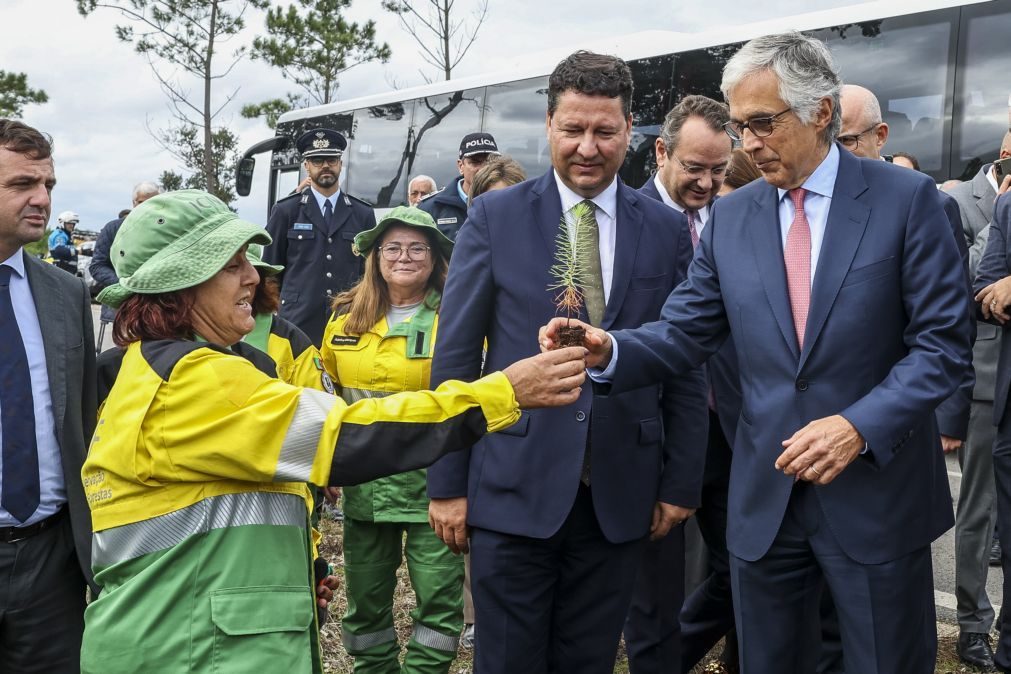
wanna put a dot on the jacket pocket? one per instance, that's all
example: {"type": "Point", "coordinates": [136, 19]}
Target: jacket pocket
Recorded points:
{"type": "Point", "coordinates": [650, 431]}
{"type": "Point", "coordinates": [520, 427]}
{"type": "Point", "coordinates": [301, 234]}
{"type": "Point", "coordinates": [870, 271]}
{"type": "Point", "coordinates": [262, 628]}
{"type": "Point", "coordinates": [289, 297]}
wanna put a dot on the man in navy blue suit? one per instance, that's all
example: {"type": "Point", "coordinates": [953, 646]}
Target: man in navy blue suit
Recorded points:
{"type": "Point", "coordinates": [692, 155]}
{"type": "Point", "coordinates": [841, 285]}
{"type": "Point", "coordinates": [559, 508]}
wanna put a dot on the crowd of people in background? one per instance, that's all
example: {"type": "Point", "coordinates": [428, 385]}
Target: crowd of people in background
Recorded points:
{"type": "Point", "coordinates": [784, 330]}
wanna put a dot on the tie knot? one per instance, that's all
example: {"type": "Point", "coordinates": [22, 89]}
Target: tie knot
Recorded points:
{"type": "Point", "coordinates": [797, 195]}
{"type": "Point", "coordinates": [693, 215]}
{"type": "Point", "coordinates": [5, 274]}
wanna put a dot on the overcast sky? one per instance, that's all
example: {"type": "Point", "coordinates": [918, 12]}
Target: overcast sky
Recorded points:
{"type": "Point", "coordinates": [103, 97]}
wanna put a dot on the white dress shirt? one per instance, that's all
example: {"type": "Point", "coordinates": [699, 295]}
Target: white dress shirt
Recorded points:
{"type": "Point", "coordinates": [606, 213]}
{"type": "Point", "coordinates": [703, 213]}
{"type": "Point", "coordinates": [321, 200]}
{"type": "Point", "coordinates": [53, 492]}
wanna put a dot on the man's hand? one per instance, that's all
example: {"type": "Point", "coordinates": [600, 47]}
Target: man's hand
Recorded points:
{"type": "Point", "coordinates": [995, 298]}
{"type": "Point", "coordinates": [1005, 185]}
{"type": "Point", "coordinates": [332, 494]}
{"type": "Point", "coordinates": [819, 451]}
{"type": "Point", "coordinates": [548, 379]}
{"type": "Point", "coordinates": [950, 444]}
{"type": "Point", "coordinates": [666, 516]}
{"type": "Point", "coordinates": [448, 518]}
{"type": "Point", "coordinates": [596, 341]}
{"type": "Point", "coordinates": [325, 590]}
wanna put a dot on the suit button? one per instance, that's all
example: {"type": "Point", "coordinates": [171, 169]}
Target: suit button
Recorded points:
{"type": "Point", "coordinates": [580, 415]}
{"type": "Point", "coordinates": [329, 239]}
{"type": "Point", "coordinates": [801, 384]}
{"type": "Point", "coordinates": [329, 256]}
{"type": "Point", "coordinates": [299, 237]}
{"type": "Point", "coordinates": [329, 275]}
{"type": "Point", "coordinates": [282, 301]}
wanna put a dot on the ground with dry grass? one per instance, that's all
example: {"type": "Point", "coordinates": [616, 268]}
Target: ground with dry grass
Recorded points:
{"type": "Point", "coordinates": [337, 661]}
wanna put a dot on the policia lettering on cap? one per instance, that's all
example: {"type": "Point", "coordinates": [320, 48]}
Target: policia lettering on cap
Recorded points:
{"type": "Point", "coordinates": [448, 207]}
{"type": "Point", "coordinates": [312, 234]}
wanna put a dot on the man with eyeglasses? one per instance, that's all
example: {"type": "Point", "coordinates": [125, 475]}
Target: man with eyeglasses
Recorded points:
{"type": "Point", "coordinates": [312, 232]}
{"type": "Point", "coordinates": [448, 207]}
{"type": "Point", "coordinates": [692, 154]}
{"type": "Point", "coordinates": [842, 287]}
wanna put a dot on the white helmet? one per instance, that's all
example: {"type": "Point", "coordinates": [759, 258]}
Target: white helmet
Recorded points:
{"type": "Point", "coordinates": [68, 216]}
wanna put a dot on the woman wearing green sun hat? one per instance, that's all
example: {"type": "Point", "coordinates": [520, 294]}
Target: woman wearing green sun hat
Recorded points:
{"type": "Point", "coordinates": [380, 341]}
{"type": "Point", "coordinates": [196, 473]}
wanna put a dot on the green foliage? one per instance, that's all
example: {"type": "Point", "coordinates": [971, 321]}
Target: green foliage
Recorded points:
{"type": "Point", "coordinates": [15, 94]}
{"type": "Point", "coordinates": [170, 181]}
{"type": "Point", "coordinates": [181, 39]}
{"type": "Point", "coordinates": [272, 110]}
{"type": "Point", "coordinates": [41, 247]}
{"type": "Point", "coordinates": [313, 45]}
{"type": "Point", "coordinates": [189, 149]}
{"type": "Point", "coordinates": [572, 253]}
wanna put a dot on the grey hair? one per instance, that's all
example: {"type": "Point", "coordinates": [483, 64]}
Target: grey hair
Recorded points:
{"type": "Point", "coordinates": [872, 109]}
{"type": "Point", "coordinates": [804, 67]}
{"type": "Point", "coordinates": [430, 179]}
{"type": "Point", "coordinates": [146, 188]}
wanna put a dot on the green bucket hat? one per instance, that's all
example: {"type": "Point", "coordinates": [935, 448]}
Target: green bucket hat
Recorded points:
{"type": "Point", "coordinates": [401, 215]}
{"type": "Point", "coordinates": [254, 253]}
{"type": "Point", "coordinates": [173, 241]}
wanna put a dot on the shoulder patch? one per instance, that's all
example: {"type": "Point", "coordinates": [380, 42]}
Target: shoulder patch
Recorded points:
{"type": "Point", "coordinates": [327, 383]}
{"type": "Point", "coordinates": [163, 354]}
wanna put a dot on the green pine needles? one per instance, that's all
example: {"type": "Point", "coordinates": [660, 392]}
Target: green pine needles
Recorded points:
{"type": "Point", "coordinates": [572, 251]}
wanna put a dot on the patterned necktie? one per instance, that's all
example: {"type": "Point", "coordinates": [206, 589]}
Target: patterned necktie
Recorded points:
{"type": "Point", "coordinates": [328, 214]}
{"type": "Point", "coordinates": [593, 292]}
{"type": "Point", "coordinates": [19, 489]}
{"type": "Point", "coordinates": [692, 228]}
{"type": "Point", "coordinates": [797, 256]}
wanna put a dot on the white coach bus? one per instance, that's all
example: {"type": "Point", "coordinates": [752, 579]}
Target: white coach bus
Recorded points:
{"type": "Point", "coordinates": [939, 67]}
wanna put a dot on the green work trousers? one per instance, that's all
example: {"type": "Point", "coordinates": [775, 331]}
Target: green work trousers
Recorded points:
{"type": "Point", "coordinates": [372, 555]}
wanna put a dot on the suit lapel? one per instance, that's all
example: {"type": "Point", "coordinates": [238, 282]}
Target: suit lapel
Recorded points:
{"type": "Point", "coordinates": [984, 193]}
{"type": "Point", "coordinates": [52, 315]}
{"type": "Point", "coordinates": [626, 244]}
{"type": "Point", "coordinates": [547, 208]}
{"type": "Point", "coordinates": [847, 220]}
{"type": "Point", "coordinates": [768, 245]}
{"type": "Point", "coordinates": [310, 212]}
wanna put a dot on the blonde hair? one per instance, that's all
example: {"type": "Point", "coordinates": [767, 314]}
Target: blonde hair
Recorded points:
{"type": "Point", "coordinates": [369, 299]}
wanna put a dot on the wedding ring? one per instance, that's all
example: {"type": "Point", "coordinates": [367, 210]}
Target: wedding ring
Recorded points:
{"type": "Point", "coordinates": [993, 304]}
{"type": "Point", "coordinates": [816, 471]}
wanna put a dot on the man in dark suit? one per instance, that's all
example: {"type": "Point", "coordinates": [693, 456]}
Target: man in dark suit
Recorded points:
{"type": "Point", "coordinates": [692, 153]}
{"type": "Point", "coordinates": [47, 415]}
{"type": "Point", "coordinates": [841, 284]}
{"type": "Point", "coordinates": [559, 508]}
{"type": "Point", "coordinates": [312, 231]}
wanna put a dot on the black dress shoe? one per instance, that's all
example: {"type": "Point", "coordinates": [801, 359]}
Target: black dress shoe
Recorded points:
{"type": "Point", "coordinates": [974, 649]}
{"type": "Point", "coordinates": [995, 553]}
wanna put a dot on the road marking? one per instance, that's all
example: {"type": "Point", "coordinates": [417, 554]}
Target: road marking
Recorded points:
{"type": "Point", "coordinates": [947, 600]}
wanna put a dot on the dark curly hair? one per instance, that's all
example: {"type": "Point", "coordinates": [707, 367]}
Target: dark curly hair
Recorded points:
{"type": "Point", "coordinates": [148, 317]}
{"type": "Point", "coordinates": [593, 74]}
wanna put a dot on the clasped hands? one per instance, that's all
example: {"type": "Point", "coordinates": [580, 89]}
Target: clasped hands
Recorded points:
{"type": "Point", "coordinates": [994, 300]}
{"type": "Point", "coordinates": [816, 453]}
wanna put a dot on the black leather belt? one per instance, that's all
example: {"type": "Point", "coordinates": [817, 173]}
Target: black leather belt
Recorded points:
{"type": "Point", "coordinates": [15, 534]}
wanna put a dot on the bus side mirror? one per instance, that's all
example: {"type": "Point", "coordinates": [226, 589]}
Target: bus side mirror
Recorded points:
{"type": "Point", "coordinates": [244, 176]}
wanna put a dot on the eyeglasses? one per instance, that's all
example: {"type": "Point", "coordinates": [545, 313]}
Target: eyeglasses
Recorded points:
{"type": "Point", "coordinates": [321, 161]}
{"type": "Point", "coordinates": [416, 251]}
{"type": "Point", "coordinates": [852, 141]}
{"type": "Point", "coordinates": [760, 126]}
{"type": "Point", "coordinates": [699, 172]}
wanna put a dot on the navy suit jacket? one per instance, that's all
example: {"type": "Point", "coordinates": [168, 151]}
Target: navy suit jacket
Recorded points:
{"type": "Point", "coordinates": [995, 265]}
{"type": "Point", "coordinates": [648, 444]}
{"type": "Point", "coordinates": [721, 368]}
{"type": "Point", "coordinates": [887, 340]}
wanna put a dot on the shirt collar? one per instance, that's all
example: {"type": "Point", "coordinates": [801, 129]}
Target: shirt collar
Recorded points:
{"type": "Point", "coordinates": [607, 201]}
{"type": "Point", "coordinates": [664, 196]}
{"type": "Point", "coordinates": [459, 190]}
{"type": "Point", "coordinates": [16, 262]}
{"type": "Point", "coordinates": [822, 181]}
{"type": "Point", "coordinates": [991, 179]}
{"type": "Point", "coordinates": [320, 199]}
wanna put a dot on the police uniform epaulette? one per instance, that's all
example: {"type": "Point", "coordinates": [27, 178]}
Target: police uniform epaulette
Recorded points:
{"type": "Point", "coordinates": [431, 195]}
{"type": "Point", "coordinates": [293, 195]}
{"type": "Point", "coordinates": [356, 199]}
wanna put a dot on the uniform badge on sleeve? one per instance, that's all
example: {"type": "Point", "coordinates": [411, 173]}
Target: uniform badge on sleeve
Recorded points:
{"type": "Point", "coordinates": [327, 382]}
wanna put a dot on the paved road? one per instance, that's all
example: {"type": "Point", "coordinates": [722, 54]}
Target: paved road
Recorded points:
{"type": "Point", "coordinates": [944, 556]}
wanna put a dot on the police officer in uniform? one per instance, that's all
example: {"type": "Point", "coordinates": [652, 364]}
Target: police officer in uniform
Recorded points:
{"type": "Point", "coordinates": [312, 232]}
{"type": "Point", "coordinates": [448, 206]}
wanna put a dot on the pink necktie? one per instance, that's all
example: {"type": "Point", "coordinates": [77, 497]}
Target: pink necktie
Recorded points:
{"type": "Point", "coordinates": [692, 229]}
{"type": "Point", "coordinates": [798, 263]}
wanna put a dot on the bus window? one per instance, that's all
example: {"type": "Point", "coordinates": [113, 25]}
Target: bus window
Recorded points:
{"type": "Point", "coordinates": [378, 157]}
{"type": "Point", "coordinates": [651, 100]}
{"type": "Point", "coordinates": [285, 182]}
{"type": "Point", "coordinates": [514, 115]}
{"type": "Point", "coordinates": [981, 105]}
{"type": "Point", "coordinates": [908, 63]}
{"type": "Point", "coordinates": [440, 122]}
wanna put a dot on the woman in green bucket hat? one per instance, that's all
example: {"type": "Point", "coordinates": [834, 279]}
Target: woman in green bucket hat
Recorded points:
{"type": "Point", "coordinates": [380, 341]}
{"type": "Point", "coordinates": [196, 476]}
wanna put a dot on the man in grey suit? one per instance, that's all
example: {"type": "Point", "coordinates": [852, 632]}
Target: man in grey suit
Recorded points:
{"type": "Point", "coordinates": [47, 416]}
{"type": "Point", "coordinates": [976, 512]}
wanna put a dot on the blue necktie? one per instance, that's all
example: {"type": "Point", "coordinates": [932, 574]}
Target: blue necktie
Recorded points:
{"type": "Point", "coordinates": [19, 490]}
{"type": "Point", "coordinates": [328, 214]}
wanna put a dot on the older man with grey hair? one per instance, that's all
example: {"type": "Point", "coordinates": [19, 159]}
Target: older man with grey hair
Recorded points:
{"type": "Point", "coordinates": [841, 285]}
{"type": "Point", "coordinates": [419, 188]}
{"type": "Point", "coordinates": [101, 266]}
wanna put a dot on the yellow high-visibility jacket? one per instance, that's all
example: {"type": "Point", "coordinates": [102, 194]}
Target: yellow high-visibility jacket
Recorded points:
{"type": "Point", "coordinates": [203, 551]}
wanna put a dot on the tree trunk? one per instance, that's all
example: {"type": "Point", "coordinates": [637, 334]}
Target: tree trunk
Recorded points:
{"type": "Point", "coordinates": [210, 175]}
{"type": "Point", "coordinates": [446, 62]}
